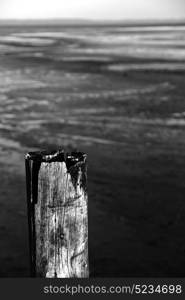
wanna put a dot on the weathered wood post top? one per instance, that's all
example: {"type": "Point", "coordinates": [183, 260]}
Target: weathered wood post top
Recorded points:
{"type": "Point", "coordinates": [57, 204]}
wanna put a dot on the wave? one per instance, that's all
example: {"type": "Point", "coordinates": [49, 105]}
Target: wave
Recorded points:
{"type": "Point", "coordinates": [147, 67]}
{"type": "Point", "coordinates": [150, 28]}
{"type": "Point", "coordinates": [26, 41]}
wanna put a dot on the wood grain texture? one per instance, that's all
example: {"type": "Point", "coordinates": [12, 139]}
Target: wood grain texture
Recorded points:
{"type": "Point", "coordinates": [59, 218]}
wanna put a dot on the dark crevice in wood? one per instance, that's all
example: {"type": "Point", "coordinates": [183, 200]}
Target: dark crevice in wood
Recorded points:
{"type": "Point", "coordinates": [35, 171]}
{"type": "Point", "coordinates": [30, 218]}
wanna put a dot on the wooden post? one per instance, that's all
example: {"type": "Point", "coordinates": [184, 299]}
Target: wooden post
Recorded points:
{"type": "Point", "coordinates": [57, 214]}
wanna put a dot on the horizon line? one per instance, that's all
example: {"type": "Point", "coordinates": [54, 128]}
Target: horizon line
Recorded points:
{"type": "Point", "coordinates": [90, 22]}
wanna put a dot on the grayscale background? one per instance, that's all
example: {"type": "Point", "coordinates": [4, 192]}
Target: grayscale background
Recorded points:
{"type": "Point", "coordinates": [105, 77]}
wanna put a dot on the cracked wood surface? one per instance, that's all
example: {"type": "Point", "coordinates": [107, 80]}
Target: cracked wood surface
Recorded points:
{"type": "Point", "coordinates": [59, 215]}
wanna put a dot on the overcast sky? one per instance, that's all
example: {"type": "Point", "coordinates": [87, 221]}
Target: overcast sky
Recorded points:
{"type": "Point", "coordinates": [92, 9]}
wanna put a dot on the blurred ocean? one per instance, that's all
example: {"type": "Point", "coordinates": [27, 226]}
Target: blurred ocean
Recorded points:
{"type": "Point", "coordinates": [116, 92]}
{"type": "Point", "coordinates": [55, 73]}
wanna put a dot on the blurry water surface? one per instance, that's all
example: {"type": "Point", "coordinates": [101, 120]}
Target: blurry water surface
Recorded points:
{"type": "Point", "coordinates": [74, 75]}
{"type": "Point", "coordinates": [117, 93]}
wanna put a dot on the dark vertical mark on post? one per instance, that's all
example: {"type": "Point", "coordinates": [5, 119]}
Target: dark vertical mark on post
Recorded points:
{"type": "Point", "coordinates": [57, 214]}
{"type": "Point", "coordinates": [30, 212]}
